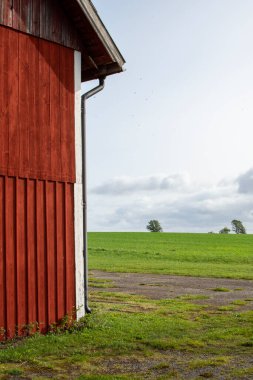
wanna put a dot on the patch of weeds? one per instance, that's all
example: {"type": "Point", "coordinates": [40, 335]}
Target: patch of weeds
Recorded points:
{"type": "Point", "coordinates": [100, 283]}
{"type": "Point", "coordinates": [104, 377]}
{"type": "Point", "coordinates": [162, 345]}
{"type": "Point", "coordinates": [13, 372]}
{"type": "Point", "coordinates": [238, 289]}
{"type": "Point", "coordinates": [212, 362]}
{"type": "Point", "coordinates": [221, 289]}
{"type": "Point", "coordinates": [206, 375]}
{"type": "Point", "coordinates": [203, 315]}
{"type": "Point", "coordinates": [248, 299]}
{"type": "Point", "coordinates": [188, 344]}
{"type": "Point", "coordinates": [172, 374]}
{"type": "Point", "coordinates": [226, 308]}
{"type": "Point", "coordinates": [161, 366]}
{"type": "Point", "coordinates": [189, 297]}
{"type": "Point", "coordinates": [239, 302]}
{"type": "Point", "coordinates": [194, 343]}
{"type": "Point", "coordinates": [242, 372]}
{"type": "Point", "coordinates": [248, 343]}
{"type": "Point", "coordinates": [152, 284]}
{"type": "Point", "coordinates": [177, 306]}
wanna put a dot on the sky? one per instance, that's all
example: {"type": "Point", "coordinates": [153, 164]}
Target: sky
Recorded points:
{"type": "Point", "coordinates": [170, 138]}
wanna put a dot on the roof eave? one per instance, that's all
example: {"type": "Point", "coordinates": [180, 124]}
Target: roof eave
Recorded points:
{"type": "Point", "coordinates": [117, 60]}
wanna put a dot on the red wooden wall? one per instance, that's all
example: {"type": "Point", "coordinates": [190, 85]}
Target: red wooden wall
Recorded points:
{"type": "Point", "coordinates": [37, 175]}
{"type": "Point", "coordinates": [36, 108]}
{"type": "Point", "coordinates": [42, 18]}
{"type": "Point", "coordinates": [37, 269]}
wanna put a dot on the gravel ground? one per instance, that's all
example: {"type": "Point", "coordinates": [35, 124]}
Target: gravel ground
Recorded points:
{"type": "Point", "coordinates": [220, 291]}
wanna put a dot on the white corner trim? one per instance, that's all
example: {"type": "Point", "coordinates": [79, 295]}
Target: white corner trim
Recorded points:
{"type": "Point", "coordinates": [78, 213]}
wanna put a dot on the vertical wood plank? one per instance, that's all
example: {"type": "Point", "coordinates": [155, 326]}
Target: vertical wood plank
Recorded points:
{"type": "Point", "coordinates": [67, 125]}
{"type": "Point", "coordinates": [70, 248]}
{"type": "Point", "coordinates": [4, 127]}
{"type": "Point", "coordinates": [13, 103]}
{"type": "Point", "coordinates": [60, 244]}
{"type": "Point", "coordinates": [44, 163]}
{"type": "Point", "coordinates": [54, 110]}
{"type": "Point", "coordinates": [43, 12]}
{"type": "Point", "coordinates": [21, 223]}
{"type": "Point", "coordinates": [51, 251]}
{"type": "Point", "coordinates": [2, 260]}
{"type": "Point", "coordinates": [25, 16]}
{"type": "Point", "coordinates": [11, 267]}
{"type": "Point", "coordinates": [24, 105]}
{"type": "Point", "coordinates": [34, 104]}
{"type": "Point", "coordinates": [35, 17]}
{"type": "Point", "coordinates": [71, 117]}
{"type": "Point", "coordinates": [31, 252]}
{"type": "Point", "coordinates": [41, 255]}
{"type": "Point", "coordinates": [16, 14]}
{"type": "Point", "coordinates": [57, 23]}
{"type": "Point", "coordinates": [6, 12]}
{"type": "Point", "coordinates": [2, 4]}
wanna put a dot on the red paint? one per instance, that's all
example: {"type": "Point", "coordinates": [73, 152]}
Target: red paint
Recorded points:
{"type": "Point", "coordinates": [36, 262]}
{"type": "Point", "coordinates": [41, 18]}
{"type": "Point", "coordinates": [10, 255]}
{"type": "Point", "coordinates": [36, 108]}
{"type": "Point", "coordinates": [37, 175]}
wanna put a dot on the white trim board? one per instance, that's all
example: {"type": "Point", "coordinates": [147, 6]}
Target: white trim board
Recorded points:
{"type": "Point", "coordinates": [78, 212]}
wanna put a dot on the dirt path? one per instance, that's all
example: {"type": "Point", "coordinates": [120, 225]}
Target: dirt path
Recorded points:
{"type": "Point", "coordinates": [220, 292]}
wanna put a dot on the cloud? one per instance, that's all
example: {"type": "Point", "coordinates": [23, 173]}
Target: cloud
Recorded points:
{"type": "Point", "coordinates": [179, 202]}
{"type": "Point", "coordinates": [245, 182]}
{"type": "Point", "coordinates": [124, 185]}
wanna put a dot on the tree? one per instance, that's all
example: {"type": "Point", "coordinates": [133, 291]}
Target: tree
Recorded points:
{"type": "Point", "coordinates": [238, 227]}
{"type": "Point", "coordinates": [224, 230]}
{"type": "Point", "coordinates": [154, 226]}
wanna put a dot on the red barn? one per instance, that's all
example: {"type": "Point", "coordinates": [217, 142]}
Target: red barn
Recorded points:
{"type": "Point", "coordinates": [47, 48]}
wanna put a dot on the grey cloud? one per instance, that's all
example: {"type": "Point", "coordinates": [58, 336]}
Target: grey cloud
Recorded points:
{"type": "Point", "coordinates": [187, 214]}
{"type": "Point", "coordinates": [185, 206]}
{"type": "Point", "coordinates": [123, 185]}
{"type": "Point", "coordinates": [245, 182]}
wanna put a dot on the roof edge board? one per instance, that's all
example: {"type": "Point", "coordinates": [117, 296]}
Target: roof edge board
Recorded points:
{"type": "Point", "coordinates": [97, 24]}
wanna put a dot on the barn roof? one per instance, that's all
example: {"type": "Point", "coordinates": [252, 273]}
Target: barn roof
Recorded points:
{"type": "Point", "coordinates": [101, 56]}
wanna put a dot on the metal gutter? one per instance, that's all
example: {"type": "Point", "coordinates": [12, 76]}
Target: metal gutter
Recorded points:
{"type": "Point", "coordinates": [84, 97]}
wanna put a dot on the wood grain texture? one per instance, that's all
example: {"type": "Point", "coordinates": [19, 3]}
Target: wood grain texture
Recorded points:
{"type": "Point", "coordinates": [37, 271]}
{"type": "Point", "coordinates": [10, 256]}
{"type": "Point", "coordinates": [36, 108]}
{"type": "Point", "coordinates": [2, 260]}
{"type": "Point", "coordinates": [4, 130]}
{"type": "Point", "coordinates": [37, 175]}
{"type": "Point", "coordinates": [46, 19]}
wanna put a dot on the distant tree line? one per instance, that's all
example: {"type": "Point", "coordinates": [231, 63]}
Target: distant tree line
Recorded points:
{"type": "Point", "coordinates": [237, 227]}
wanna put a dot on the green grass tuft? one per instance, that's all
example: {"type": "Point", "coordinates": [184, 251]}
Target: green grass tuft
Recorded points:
{"type": "Point", "coordinates": [221, 290]}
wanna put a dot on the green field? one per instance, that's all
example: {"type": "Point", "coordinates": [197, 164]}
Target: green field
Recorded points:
{"type": "Point", "coordinates": [132, 337]}
{"type": "Point", "coordinates": [205, 255]}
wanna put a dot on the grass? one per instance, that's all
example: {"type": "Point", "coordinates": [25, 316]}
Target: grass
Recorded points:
{"type": "Point", "coordinates": [133, 337]}
{"type": "Point", "coordinates": [129, 337]}
{"type": "Point", "coordinates": [205, 255]}
{"type": "Point", "coordinates": [221, 290]}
